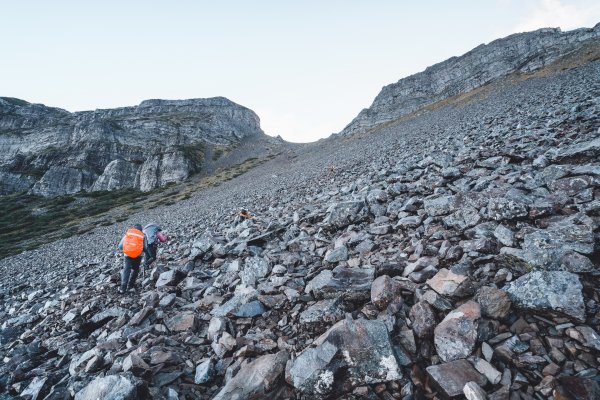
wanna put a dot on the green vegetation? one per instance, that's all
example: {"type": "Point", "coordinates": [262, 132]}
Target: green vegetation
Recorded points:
{"type": "Point", "coordinates": [27, 222]}
{"type": "Point", "coordinates": [195, 154]}
{"type": "Point", "coordinates": [220, 151]}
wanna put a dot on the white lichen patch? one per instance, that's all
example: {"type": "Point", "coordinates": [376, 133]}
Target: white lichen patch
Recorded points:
{"type": "Point", "coordinates": [347, 357]}
{"type": "Point", "coordinates": [390, 368]}
{"type": "Point", "coordinates": [324, 382]}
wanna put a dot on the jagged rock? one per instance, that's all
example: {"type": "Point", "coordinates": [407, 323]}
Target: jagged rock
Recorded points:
{"type": "Point", "coordinates": [423, 319]}
{"type": "Point", "coordinates": [181, 322]}
{"type": "Point", "coordinates": [322, 311]}
{"type": "Point", "coordinates": [384, 290]}
{"type": "Point", "coordinates": [548, 248]}
{"type": "Point", "coordinates": [452, 377]}
{"type": "Point", "coordinates": [352, 284]}
{"type": "Point", "coordinates": [113, 387]}
{"type": "Point", "coordinates": [501, 208]}
{"type": "Point", "coordinates": [336, 255]}
{"type": "Point", "coordinates": [341, 348]}
{"type": "Point", "coordinates": [35, 389]}
{"type": "Point", "coordinates": [487, 370]}
{"type": "Point", "coordinates": [204, 372]}
{"type": "Point", "coordinates": [589, 150]}
{"type": "Point", "coordinates": [135, 364]}
{"type": "Point", "coordinates": [455, 337]}
{"type": "Point", "coordinates": [439, 205]}
{"type": "Point", "coordinates": [255, 379]}
{"type": "Point", "coordinates": [254, 268]}
{"type": "Point", "coordinates": [473, 391]}
{"type": "Point", "coordinates": [342, 214]}
{"type": "Point", "coordinates": [170, 278]}
{"type": "Point", "coordinates": [249, 310]}
{"type": "Point", "coordinates": [548, 291]}
{"type": "Point", "coordinates": [586, 336]}
{"type": "Point", "coordinates": [576, 388]}
{"type": "Point", "coordinates": [494, 303]}
{"type": "Point", "coordinates": [447, 283]}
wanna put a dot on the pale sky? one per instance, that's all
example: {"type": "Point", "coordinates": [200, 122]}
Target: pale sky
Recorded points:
{"type": "Point", "coordinates": [305, 67]}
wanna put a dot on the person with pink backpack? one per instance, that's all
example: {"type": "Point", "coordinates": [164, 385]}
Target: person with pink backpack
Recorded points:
{"type": "Point", "coordinates": [153, 233]}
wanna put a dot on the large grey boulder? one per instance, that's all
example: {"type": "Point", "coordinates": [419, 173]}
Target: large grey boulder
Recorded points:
{"type": "Point", "coordinates": [359, 350]}
{"type": "Point", "coordinates": [113, 387]}
{"type": "Point", "coordinates": [256, 379]}
{"type": "Point", "coordinates": [255, 268]}
{"type": "Point", "coordinates": [555, 292]}
{"type": "Point", "coordinates": [562, 246]}
{"type": "Point", "coordinates": [452, 377]}
{"type": "Point", "coordinates": [456, 336]}
{"type": "Point", "coordinates": [352, 284]}
{"type": "Point", "coordinates": [345, 213]}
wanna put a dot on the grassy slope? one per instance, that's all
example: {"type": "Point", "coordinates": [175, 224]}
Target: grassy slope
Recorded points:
{"type": "Point", "coordinates": [27, 222]}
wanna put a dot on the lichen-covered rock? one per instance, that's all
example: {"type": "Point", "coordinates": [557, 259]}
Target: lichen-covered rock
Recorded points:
{"type": "Point", "coordinates": [557, 292]}
{"type": "Point", "coordinates": [343, 349]}
{"type": "Point", "coordinates": [114, 387]}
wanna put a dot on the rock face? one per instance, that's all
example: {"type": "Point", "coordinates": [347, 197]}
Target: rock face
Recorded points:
{"type": "Point", "coordinates": [52, 152]}
{"type": "Point", "coordinates": [522, 53]}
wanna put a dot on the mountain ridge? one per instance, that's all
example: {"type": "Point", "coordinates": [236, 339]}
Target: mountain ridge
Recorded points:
{"type": "Point", "coordinates": [49, 151]}
{"type": "Point", "coordinates": [519, 52]}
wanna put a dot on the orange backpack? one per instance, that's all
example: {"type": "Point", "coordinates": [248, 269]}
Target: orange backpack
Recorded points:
{"type": "Point", "coordinates": [133, 243]}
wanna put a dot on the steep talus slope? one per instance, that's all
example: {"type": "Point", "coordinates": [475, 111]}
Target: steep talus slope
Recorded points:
{"type": "Point", "coordinates": [518, 53]}
{"type": "Point", "coordinates": [52, 152]}
{"type": "Point", "coordinates": [454, 253]}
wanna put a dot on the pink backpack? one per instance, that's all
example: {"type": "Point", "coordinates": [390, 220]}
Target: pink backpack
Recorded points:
{"type": "Point", "coordinates": [161, 237]}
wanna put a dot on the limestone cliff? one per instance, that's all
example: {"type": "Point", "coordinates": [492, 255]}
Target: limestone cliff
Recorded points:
{"type": "Point", "coordinates": [51, 152]}
{"type": "Point", "coordinates": [523, 52]}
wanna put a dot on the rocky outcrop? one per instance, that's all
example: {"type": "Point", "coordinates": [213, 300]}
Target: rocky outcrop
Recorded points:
{"type": "Point", "coordinates": [52, 152]}
{"type": "Point", "coordinates": [520, 53]}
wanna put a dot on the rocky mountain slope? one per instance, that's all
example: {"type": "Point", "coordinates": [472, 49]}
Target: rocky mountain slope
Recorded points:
{"type": "Point", "coordinates": [518, 53]}
{"type": "Point", "coordinates": [453, 254]}
{"type": "Point", "coordinates": [52, 152]}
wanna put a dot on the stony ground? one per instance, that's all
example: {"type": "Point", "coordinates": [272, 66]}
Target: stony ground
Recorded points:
{"type": "Point", "coordinates": [454, 254]}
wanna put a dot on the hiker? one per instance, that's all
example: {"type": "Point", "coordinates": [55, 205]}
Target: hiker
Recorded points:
{"type": "Point", "coordinates": [133, 244]}
{"type": "Point", "coordinates": [154, 236]}
{"type": "Point", "coordinates": [242, 216]}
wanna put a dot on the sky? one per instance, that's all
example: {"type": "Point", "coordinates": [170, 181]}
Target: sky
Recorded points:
{"type": "Point", "coordinates": [306, 67]}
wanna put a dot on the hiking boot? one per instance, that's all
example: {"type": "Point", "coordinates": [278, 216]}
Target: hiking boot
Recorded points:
{"type": "Point", "coordinates": [132, 289]}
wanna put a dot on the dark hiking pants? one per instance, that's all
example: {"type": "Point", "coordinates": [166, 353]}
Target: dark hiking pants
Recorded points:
{"type": "Point", "coordinates": [131, 269]}
{"type": "Point", "coordinates": [151, 254]}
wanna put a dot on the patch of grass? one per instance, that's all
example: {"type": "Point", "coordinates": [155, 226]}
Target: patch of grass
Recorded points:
{"type": "Point", "coordinates": [22, 228]}
{"type": "Point", "coordinates": [220, 151]}
{"type": "Point", "coordinates": [195, 155]}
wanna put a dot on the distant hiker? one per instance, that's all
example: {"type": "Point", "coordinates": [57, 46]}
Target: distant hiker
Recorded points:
{"type": "Point", "coordinates": [242, 216]}
{"type": "Point", "coordinates": [133, 244]}
{"type": "Point", "coordinates": [154, 236]}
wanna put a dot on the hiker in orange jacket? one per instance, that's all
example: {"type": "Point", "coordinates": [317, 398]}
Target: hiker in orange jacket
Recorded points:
{"type": "Point", "coordinates": [133, 244]}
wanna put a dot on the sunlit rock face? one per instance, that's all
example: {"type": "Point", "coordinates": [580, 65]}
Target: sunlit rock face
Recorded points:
{"type": "Point", "coordinates": [51, 152]}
